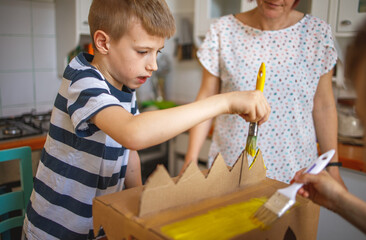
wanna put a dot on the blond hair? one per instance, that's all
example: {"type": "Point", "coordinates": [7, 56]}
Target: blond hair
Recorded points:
{"type": "Point", "coordinates": [115, 17]}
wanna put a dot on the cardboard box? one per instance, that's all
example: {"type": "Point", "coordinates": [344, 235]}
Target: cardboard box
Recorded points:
{"type": "Point", "coordinates": [181, 203]}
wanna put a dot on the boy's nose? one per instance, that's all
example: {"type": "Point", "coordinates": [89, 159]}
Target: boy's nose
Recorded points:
{"type": "Point", "coordinates": [152, 65]}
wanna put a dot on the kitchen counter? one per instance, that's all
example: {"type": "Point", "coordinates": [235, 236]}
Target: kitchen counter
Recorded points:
{"type": "Point", "coordinates": [34, 142]}
{"type": "Point", "coordinates": [352, 157]}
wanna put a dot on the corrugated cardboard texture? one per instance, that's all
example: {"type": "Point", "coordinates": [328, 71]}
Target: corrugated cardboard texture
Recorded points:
{"type": "Point", "coordinates": [193, 185]}
{"type": "Point", "coordinates": [164, 201]}
{"type": "Point", "coordinates": [118, 214]}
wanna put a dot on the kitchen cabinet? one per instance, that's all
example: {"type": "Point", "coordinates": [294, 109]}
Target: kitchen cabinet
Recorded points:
{"type": "Point", "coordinates": [350, 15]}
{"type": "Point", "coordinates": [344, 16]}
{"type": "Point", "coordinates": [206, 11]}
{"type": "Point", "coordinates": [72, 28]}
{"type": "Point", "coordinates": [177, 149]}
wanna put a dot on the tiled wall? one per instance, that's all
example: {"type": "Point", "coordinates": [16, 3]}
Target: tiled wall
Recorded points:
{"type": "Point", "coordinates": [28, 78]}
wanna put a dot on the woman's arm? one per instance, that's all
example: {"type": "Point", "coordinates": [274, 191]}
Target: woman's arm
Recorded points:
{"type": "Point", "coordinates": [326, 191]}
{"type": "Point", "coordinates": [325, 121]}
{"type": "Point", "coordinates": [353, 210]}
{"type": "Point", "coordinates": [210, 85]}
{"type": "Point", "coordinates": [133, 171]}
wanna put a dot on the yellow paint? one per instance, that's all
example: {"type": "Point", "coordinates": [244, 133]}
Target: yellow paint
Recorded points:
{"type": "Point", "coordinates": [261, 77]}
{"type": "Point", "coordinates": [255, 158]}
{"type": "Point", "coordinates": [221, 223]}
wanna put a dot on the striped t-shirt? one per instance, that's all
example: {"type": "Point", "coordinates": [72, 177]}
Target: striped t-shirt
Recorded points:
{"type": "Point", "coordinates": [79, 161]}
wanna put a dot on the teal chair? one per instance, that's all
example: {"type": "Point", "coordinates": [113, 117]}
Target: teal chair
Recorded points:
{"type": "Point", "coordinates": [16, 200]}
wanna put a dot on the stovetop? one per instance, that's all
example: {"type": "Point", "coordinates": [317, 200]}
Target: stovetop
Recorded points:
{"type": "Point", "coordinates": [27, 124]}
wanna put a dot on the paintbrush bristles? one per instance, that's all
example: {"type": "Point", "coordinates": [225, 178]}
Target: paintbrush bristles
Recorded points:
{"type": "Point", "coordinates": [264, 217]}
{"type": "Point", "coordinates": [274, 208]}
{"type": "Point", "coordinates": [251, 146]}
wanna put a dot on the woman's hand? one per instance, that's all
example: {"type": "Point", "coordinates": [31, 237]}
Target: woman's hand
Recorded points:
{"type": "Point", "coordinates": [320, 188]}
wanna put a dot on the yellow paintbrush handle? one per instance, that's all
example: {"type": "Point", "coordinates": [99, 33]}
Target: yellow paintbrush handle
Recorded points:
{"type": "Point", "coordinates": [261, 77]}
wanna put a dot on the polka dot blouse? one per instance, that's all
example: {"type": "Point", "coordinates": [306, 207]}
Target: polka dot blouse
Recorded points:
{"type": "Point", "coordinates": [295, 57]}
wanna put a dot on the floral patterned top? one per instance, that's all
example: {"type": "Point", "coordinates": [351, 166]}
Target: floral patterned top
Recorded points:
{"type": "Point", "coordinates": [295, 58]}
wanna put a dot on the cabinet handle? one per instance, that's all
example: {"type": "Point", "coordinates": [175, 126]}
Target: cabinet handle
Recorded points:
{"type": "Point", "coordinates": [85, 22]}
{"type": "Point", "coordinates": [346, 22]}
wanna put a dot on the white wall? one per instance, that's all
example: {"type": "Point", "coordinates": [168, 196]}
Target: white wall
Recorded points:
{"type": "Point", "coordinates": [28, 78]}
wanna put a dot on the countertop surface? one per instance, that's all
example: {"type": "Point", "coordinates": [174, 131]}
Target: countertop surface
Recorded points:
{"type": "Point", "coordinates": [35, 142]}
{"type": "Point", "coordinates": [351, 156]}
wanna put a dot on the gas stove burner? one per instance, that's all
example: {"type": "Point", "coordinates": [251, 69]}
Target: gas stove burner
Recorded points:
{"type": "Point", "coordinates": [40, 117]}
{"type": "Point", "coordinates": [12, 131]}
{"type": "Point", "coordinates": [27, 124]}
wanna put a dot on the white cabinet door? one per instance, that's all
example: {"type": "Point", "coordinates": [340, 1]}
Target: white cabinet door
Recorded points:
{"type": "Point", "coordinates": [350, 15]}
{"type": "Point", "coordinates": [207, 11]}
{"type": "Point", "coordinates": [72, 28]}
{"type": "Point", "coordinates": [83, 12]}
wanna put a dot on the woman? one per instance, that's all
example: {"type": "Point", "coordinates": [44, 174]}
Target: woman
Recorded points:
{"type": "Point", "coordinates": [299, 54]}
{"type": "Point", "coordinates": [321, 188]}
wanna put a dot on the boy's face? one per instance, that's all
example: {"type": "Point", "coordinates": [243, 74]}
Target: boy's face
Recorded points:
{"type": "Point", "coordinates": [132, 59]}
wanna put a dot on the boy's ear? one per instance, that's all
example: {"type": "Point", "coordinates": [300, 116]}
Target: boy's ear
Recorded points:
{"type": "Point", "coordinates": [102, 41]}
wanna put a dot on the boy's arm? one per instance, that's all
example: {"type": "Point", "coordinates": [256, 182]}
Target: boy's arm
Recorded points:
{"type": "Point", "coordinates": [133, 172]}
{"type": "Point", "coordinates": [154, 127]}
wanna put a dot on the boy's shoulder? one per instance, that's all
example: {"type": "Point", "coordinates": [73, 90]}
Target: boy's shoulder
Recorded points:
{"type": "Point", "coordinates": [80, 67]}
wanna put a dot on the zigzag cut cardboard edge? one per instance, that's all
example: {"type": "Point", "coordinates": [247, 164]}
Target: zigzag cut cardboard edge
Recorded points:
{"type": "Point", "coordinates": [162, 192]}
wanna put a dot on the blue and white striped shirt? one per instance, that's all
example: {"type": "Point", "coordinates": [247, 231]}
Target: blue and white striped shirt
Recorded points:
{"type": "Point", "coordinates": [79, 161]}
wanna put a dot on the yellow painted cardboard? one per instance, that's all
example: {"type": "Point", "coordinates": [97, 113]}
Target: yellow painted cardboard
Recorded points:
{"type": "Point", "coordinates": [142, 213]}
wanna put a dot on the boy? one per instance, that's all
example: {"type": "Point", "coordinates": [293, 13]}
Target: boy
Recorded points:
{"type": "Point", "coordinates": [96, 127]}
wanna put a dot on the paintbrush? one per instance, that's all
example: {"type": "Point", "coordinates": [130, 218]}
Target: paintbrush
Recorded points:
{"type": "Point", "coordinates": [251, 145]}
{"type": "Point", "coordinates": [284, 198]}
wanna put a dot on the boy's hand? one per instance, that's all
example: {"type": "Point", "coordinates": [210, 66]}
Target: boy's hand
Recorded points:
{"type": "Point", "coordinates": [250, 105]}
{"type": "Point", "coordinates": [320, 188]}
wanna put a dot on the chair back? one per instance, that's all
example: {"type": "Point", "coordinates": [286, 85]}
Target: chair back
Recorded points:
{"type": "Point", "coordinates": [17, 200]}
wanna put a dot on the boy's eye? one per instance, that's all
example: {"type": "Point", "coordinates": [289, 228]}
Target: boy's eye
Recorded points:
{"type": "Point", "coordinates": [145, 52]}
